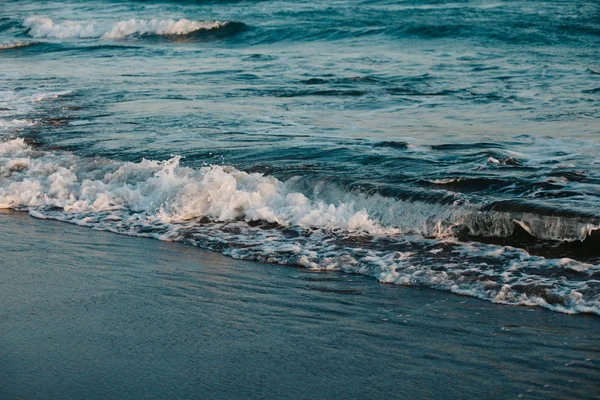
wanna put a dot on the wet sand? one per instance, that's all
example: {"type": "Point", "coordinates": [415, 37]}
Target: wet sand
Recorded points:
{"type": "Point", "coordinates": [89, 314]}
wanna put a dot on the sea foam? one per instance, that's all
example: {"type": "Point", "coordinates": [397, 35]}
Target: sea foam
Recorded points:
{"type": "Point", "coordinates": [256, 217]}
{"type": "Point", "coordinates": [165, 191]}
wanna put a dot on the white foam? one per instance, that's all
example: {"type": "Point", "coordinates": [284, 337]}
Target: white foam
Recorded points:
{"type": "Point", "coordinates": [16, 123]}
{"type": "Point", "coordinates": [15, 107]}
{"type": "Point", "coordinates": [41, 27]}
{"type": "Point", "coordinates": [215, 207]}
{"type": "Point", "coordinates": [166, 191]}
{"type": "Point", "coordinates": [159, 27]}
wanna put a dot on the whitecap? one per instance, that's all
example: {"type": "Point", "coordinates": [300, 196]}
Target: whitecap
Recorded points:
{"type": "Point", "coordinates": [41, 27]}
{"type": "Point", "coordinates": [16, 45]}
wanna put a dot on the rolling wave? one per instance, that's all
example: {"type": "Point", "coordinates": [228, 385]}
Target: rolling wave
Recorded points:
{"type": "Point", "coordinates": [40, 27]}
{"type": "Point", "coordinates": [441, 215]}
{"type": "Point", "coordinates": [406, 25]}
{"type": "Point", "coordinates": [16, 45]}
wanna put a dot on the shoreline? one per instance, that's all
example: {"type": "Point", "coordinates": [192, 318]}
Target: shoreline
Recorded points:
{"type": "Point", "coordinates": [92, 314]}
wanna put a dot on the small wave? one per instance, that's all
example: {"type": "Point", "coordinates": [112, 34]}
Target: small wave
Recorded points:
{"type": "Point", "coordinates": [594, 90]}
{"type": "Point", "coordinates": [393, 144]}
{"type": "Point", "coordinates": [40, 27]}
{"type": "Point", "coordinates": [467, 146]}
{"type": "Point", "coordinates": [17, 45]}
{"type": "Point", "coordinates": [471, 183]}
{"type": "Point", "coordinates": [290, 93]}
{"type": "Point", "coordinates": [49, 95]}
{"type": "Point", "coordinates": [410, 91]}
{"type": "Point", "coordinates": [505, 161]}
{"type": "Point", "coordinates": [350, 80]}
{"type": "Point", "coordinates": [330, 92]}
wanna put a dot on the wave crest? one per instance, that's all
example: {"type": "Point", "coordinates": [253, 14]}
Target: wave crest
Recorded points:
{"type": "Point", "coordinates": [41, 27]}
{"type": "Point", "coordinates": [165, 191]}
{"type": "Point", "coordinates": [16, 45]}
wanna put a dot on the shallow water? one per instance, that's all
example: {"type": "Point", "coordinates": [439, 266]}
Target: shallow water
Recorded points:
{"type": "Point", "coordinates": [449, 145]}
{"type": "Point", "coordinates": [142, 319]}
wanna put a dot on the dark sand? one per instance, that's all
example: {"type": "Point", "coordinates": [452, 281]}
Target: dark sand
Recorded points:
{"type": "Point", "coordinates": [95, 315]}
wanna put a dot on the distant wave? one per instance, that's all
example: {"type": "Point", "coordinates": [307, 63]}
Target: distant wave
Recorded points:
{"type": "Point", "coordinates": [40, 27]}
{"type": "Point", "coordinates": [16, 45]}
{"type": "Point", "coordinates": [411, 28]}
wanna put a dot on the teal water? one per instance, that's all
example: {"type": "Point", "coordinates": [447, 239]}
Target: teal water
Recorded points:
{"type": "Point", "coordinates": [451, 145]}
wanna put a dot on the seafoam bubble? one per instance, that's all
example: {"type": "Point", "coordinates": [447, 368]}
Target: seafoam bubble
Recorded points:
{"type": "Point", "coordinates": [16, 123]}
{"type": "Point", "coordinates": [15, 108]}
{"type": "Point", "coordinates": [48, 95]}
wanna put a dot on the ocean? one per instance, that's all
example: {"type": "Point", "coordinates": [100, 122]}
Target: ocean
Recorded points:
{"type": "Point", "coordinates": [448, 145]}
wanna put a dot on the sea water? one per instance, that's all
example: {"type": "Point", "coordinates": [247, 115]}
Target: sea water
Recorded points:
{"type": "Point", "coordinates": [453, 145]}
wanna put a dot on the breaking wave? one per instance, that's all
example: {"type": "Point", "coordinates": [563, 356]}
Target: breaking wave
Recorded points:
{"type": "Point", "coordinates": [16, 45]}
{"type": "Point", "coordinates": [40, 27]}
{"type": "Point", "coordinates": [257, 217]}
{"type": "Point", "coordinates": [165, 191]}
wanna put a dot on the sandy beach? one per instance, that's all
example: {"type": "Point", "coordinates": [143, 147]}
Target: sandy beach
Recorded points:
{"type": "Point", "coordinates": [89, 314]}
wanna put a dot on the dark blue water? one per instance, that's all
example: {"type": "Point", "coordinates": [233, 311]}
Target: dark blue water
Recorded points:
{"type": "Point", "coordinates": [448, 144]}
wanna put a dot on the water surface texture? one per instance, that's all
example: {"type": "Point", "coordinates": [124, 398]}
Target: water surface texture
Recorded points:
{"type": "Point", "coordinates": [142, 319]}
{"type": "Point", "coordinates": [453, 145]}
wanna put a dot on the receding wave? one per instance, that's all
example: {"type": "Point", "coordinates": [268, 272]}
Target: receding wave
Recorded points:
{"type": "Point", "coordinates": [257, 217]}
{"type": "Point", "coordinates": [40, 27]}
